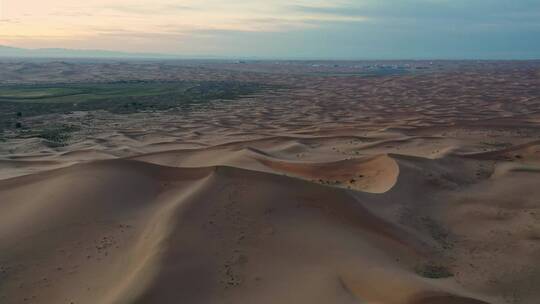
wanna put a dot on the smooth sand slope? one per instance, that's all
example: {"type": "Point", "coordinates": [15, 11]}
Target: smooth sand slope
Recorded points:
{"type": "Point", "coordinates": [232, 224]}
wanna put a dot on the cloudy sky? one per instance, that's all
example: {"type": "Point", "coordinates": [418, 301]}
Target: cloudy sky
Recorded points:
{"type": "Point", "coordinates": [371, 29]}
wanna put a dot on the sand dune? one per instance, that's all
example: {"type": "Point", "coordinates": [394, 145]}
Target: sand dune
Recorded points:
{"type": "Point", "coordinates": [257, 221]}
{"type": "Point", "coordinates": [247, 226]}
{"type": "Point", "coordinates": [372, 190]}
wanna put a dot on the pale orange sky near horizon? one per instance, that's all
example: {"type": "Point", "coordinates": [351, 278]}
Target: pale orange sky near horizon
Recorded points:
{"type": "Point", "coordinates": [414, 29]}
{"type": "Point", "coordinates": [131, 24]}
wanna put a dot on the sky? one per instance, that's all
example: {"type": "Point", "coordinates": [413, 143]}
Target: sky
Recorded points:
{"type": "Point", "coordinates": [338, 29]}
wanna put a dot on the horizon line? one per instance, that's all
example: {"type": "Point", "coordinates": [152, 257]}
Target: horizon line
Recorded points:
{"type": "Point", "coordinates": [127, 55]}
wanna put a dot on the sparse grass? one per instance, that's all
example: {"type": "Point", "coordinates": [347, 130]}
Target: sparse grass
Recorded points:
{"type": "Point", "coordinates": [57, 136]}
{"type": "Point", "coordinates": [497, 144]}
{"type": "Point", "coordinates": [329, 182]}
{"type": "Point", "coordinates": [437, 232]}
{"type": "Point", "coordinates": [433, 271]}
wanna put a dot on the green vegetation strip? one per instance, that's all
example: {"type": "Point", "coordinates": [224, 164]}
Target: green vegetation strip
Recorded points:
{"type": "Point", "coordinates": [19, 101]}
{"type": "Point", "coordinates": [80, 93]}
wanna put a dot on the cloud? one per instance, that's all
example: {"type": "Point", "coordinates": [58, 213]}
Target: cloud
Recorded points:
{"type": "Point", "coordinates": [150, 9]}
{"type": "Point", "coordinates": [64, 13]}
{"type": "Point", "coordinates": [328, 28]}
{"type": "Point", "coordinates": [328, 10]}
{"type": "Point", "coordinates": [472, 11]}
{"type": "Point", "coordinates": [9, 21]}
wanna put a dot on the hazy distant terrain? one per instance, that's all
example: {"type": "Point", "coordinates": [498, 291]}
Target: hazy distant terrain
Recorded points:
{"type": "Point", "coordinates": [219, 181]}
{"type": "Point", "coordinates": [14, 52]}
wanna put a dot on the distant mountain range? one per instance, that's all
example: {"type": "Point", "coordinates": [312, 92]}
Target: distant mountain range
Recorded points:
{"type": "Point", "coordinates": [7, 51]}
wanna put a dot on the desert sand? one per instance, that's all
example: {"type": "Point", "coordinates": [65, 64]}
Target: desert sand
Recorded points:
{"type": "Point", "coordinates": [401, 189]}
